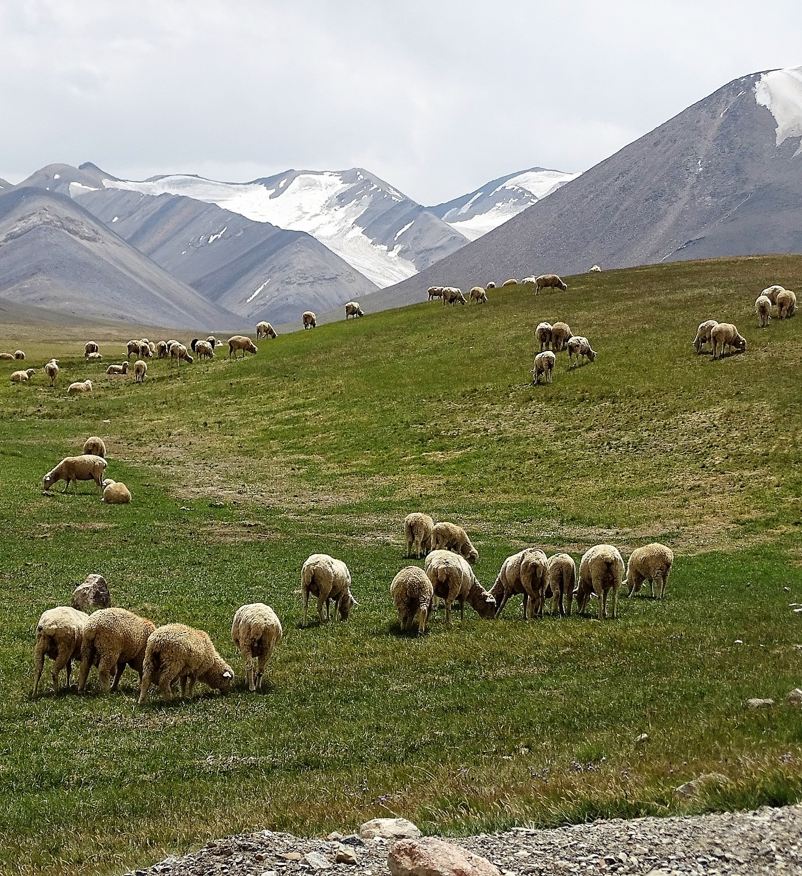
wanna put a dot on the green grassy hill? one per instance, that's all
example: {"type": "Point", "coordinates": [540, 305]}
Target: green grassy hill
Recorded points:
{"type": "Point", "coordinates": [323, 442]}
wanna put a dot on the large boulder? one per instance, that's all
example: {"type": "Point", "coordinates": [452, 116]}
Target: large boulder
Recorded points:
{"type": "Point", "coordinates": [433, 857]}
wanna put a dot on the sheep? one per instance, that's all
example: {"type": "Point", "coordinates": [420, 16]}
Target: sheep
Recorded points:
{"type": "Point", "coordinates": [59, 635]}
{"type": "Point", "coordinates": [6, 356]}
{"type": "Point", "coordinates": [703, 334]}
{"type": "Point", "coordinates": [211, 339]}
{"type": "Point", "coordinates": [18, 354]}
{"type": "Point", "coordinates": [786, 304]}
{"type": "Point", "coordinates": [560, 580]}
{"type": "Point", "coordinates": [76, 468]}
{"type": "Point", "coordinates": [117, 370]}
{"type": "Point", "coordinates": [353, 309]}
{"type": "Point", "coordinates": [161, 350]}
{"type": "Point", "coordinates": [544, 364]}
{"type": "Point", "coordinates": [263, 330]}
{"type": "Point", "coordinates": [113, 639]}
{"type": "Point", "coordinates": [179, 353]}
{"type": "Point", "coordinates": [529, 281]}
{"type": "Point", "coordinates": [771, 293]}
{"type": "Point", "coordinates": [579, 348]}
{"type": "Point", "coordinates": [595, 269]}
{"type": "Point", "coordinates": [309, 319]}
{"type": "Point", "coordinates": [93, 593]}
{"type": "Point", "coordinates": [178, 651]}
{"type": "Point", "coordinates": [412, 592]}
{"type": "Point", "coordinates": [452, 295]}
{"type": "Point", "coordinates": [256, 631]}
{"type": "Point", "coordinates": [241, 342]}
{"type": "Point", "coordinates": [651, 563]}
{"type": "Point", "coordinates": [725, 334]}
{"type": "Point", "coordinates": [450, 537]}
{"type": "Point", "coordinates": [94, 357]}
{"type": "Point", "coordinates": [204, 350]}
{"type": "Point", "coordinates": [133, 348]}
{"type": "Point", "coordinates": [510, 282]}
{"type": "Point", "coordinates": [330, 581]}
{"type": "Point", "coordinates": [95, 446]}
{"type": "Point", "coordinates": [23, 376]}
{"type": "Point", "coordinates": [560, 335]}
{"type": "Point", "coordinates": [763, 310]}
{"type": "Point", "coordinates": [478, 295]}
{"type": "Point", "coordinates": [418, 529]}
{"type": "Point", "coordinates": [453, 579]}
{"type": "Point", "coordinates": [549, 281]}
{"type": "Point", "coordinates": [140, 370]}
{"type": "Point", "coordinates": [79, 387]}
{"type": "Point", "coordinates": [524, 572]}
{"type": "Point", "coordinates": [115, 493]}
{"type": "Point", "coordinates": [435, 292]}
{"type": "Point", "coordinates": [90, 347]}
{"type": "Point", "coordinates": [543, 335]}
{"type": "Point", "coordinates": [601, 570]}
{"type": "Point", "coordinates": [51, 370]}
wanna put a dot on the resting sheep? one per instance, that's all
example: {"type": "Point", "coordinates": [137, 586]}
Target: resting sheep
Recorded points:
{"type": "Point", "coordinates": [115, 493]}
{"type": "Point", "coordinates": [544, 364]}
{"type": "Point", "coordinates": [763, 310]}
{"type": "Point", "coordinates": [595, 269]}
{"type": "Point", "coordinates": [412, 593]}
{"type": "Point", "coordinates": [23, 376]}
{"type": "Point", "coordinates": [256, 631]}
{"type": "Point", "coordinates": [176, 651]}
{"type": "Point", "coordinates": [418, 529]}
{"type": "Point", "coordinates": [6, 356]}
{"type": "Point", "coordinates": [90, 347]}
{"type": "Point", "coordinates": [651, 563]}
{"type": "Point", "coordinates": [93, 593]}
{"type": "Point", "coordinates": [725, 334]}
{"type": "Point", "coordinates": [330, 581]}
{"type": "Point", "coordinates": [703, 334]}
{"type": "Point", "coordinates": [601, 570]}
{"type": "Point", "coordinates": [525, 573]}
{"type": "Point", "coordinates": [560, 335]}
{"type": "Point", "coordinates": [786, 304]}
{"type": "Point", "coordinates": [263, 330]}
{"type": "Point", "coordinates": [94, 357]}
{"type": "Point", "coordinates": [113, 639]}
{"type": "Point", "coordinates": [453, 579]}
{"type": "Point", "coordinates": [51, 370]}
{"type": "Point", "coordinates": [59, 635]}
{"type": "Point", "coordinates": [560, 580]}
{"type": "Point", "coordinates": [79, 387]}
{"type": "Point", "coordinates": [578, 349]}
{"type": "Point", "coordinates": [772, 291]}
{"type": "Point", "coordinates": [353, 309]}
{"type": "Point", "coordinates": [549, 281]}
{"type": "Point", "coordinates": [72, 469]}
{"type": "Point", "coordinates": [309, 319]}
{"type": "Point", "coordinates": [478, 295]}
{"type": "Point", "coordinates": [543, 335]}
{"type": "Point", "coordinates": [450, 537]}
{"type": "Point", "coordinates": [117, 370]}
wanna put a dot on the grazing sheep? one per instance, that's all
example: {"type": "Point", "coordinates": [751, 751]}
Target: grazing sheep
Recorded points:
{"type": "Point", "coordinates": [786, 304]}
{"type": "Point", "coordinates": [543, 335]}
{"type": "Point", "coordinates": [144, 349]}
{"type": "Point", "coordinates": [161, 350]}
{"type": "Point", "coordinates": [213, 341]}
{"type": "Point", "coordinates": [176, 651]}
{"type": "Point", "coordinates": [601, 570]}
{"type": "Point", "coordinates": [452, 295]}
{"type": "Point", "coordinates": [703, 334]}
{"type": "Point", "coordinates": [93, 593]}
{"type": "Point", "coordinates": [95, 446]}
{"type": "Point", "coordinates": [23, 376]}
{"type": "Point", "coordinates": [204, 350]}
{"type": "Point", "coordinates": [51, 370]}
{"type": "Point", "coordinates": [510, 282]}
{"type": "Point", "coordinates": [544, 364]}
{"type": "Point", "coordinates": [241, 342]}
{"type": "Point", "coordinates": [435, 292]}
{"type": "Point", "coordinates": [478, 295]}
{"type": "Point", "coordinates": [450, 537]}
{"type": "Point", "coordinates": [529, 281]}
{"type": "Point", "coordinates": [59, 635]}
{"type": "Point", "coordinates": [263, 330]}
{"type": "Point", "coordinates": [763, 310]}
{"type": "Point", "coordinates": [594, 270]}
{"type": "Point", "coordinates": [76, 468]}
{"type": "Point", "coordinates": [140, 370]}
{"type": "Point", "coordinates": [453, 579]}
{"type": "Point", "coordinates": [179, 353]}
{"type": "Point", "coordinates": [117, 370]}
{"type": "Point", "coordinates": [133, 348]}
{"type": "Point", "coordinates": [18, 354]}
{"type": "Point", "coordinates": [330, 581]}
{"type": "Point", "coordinates": [560, 579]}
{"type": "Point", "coordinates": [412, 594]}
{"type": "Point", "coordinates": [115, 493]}
{"type": "Point", "coordinates": [490, 285]}
{"type": "Point", "coordinates": [90, 347]}
{"type": "Point", "coordinates": [771, 293]}
{"type": "Point", "coordinates": [651, 563]}
{"type": "Point", "coordinates": [309, 319]}
{"type": "Point", "coordinates": [560, 335]}
{"type": "Point", "coordinates": [549, 281]}
{"type": "Point", "coordinates": [725, 334]}
{"type": "Point", "coordinates": [94, 357]}
{"type": "Point", "coordinates": [525, 573]}
{"type": "Point", "coordinates": [418, 529]}
{"type": "Point", "coordinates": [256, 631]}
{"type": "Point", "coordinates": [113, 639]}
{"type": "Point", "coordinates": [579, 348]}
{"type": "Point", "coordinates": [353, 309]}
{"type": "Point", "coordinates": [79, 387]}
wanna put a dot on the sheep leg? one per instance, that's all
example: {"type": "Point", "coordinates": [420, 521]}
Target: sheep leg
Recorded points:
{"type": "Point", "coordinates": [569, 596]}
{"type": "Point", "coordinates": [144, 685]}
{"type": "Point", "coordinates": [614, 604]}
{"type": "Point", "coordinates": [188, 685]}
{"type": "Point", "coordinates": [320, 601]}
{"type": "Point", "coordinates": [502, 602]}
{"type": "Point", "coordinates": [525, 606]}
{"type": "Point", "coordinates": [602, 604]}
{"type": "Point", "coordinates": [260, 671]}
{"type": "Point", "coordinates": [62, 660]}
{"type": "Point", "coordinates": [38, 665]}
{"type": "Point", "coordinates": [423, 613]}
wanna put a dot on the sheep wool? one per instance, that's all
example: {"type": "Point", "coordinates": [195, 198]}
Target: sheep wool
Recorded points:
{"type": "Point", "coordinates": [560, 579]}
{"type": "Point", "coordinates": [115, 493]}
{"type": "Point", "coordinates": [95, 446]}
{"type": "Point", "coordinates": [601, 571]}
{"type": "Point", "coordinates": [560, 333]}
{"type": "Point", "coordinates": [725, 334]}
{"type": "Point", "coordinates": [703, 334]}
{"type": "Point", "coordinates": [256, 631]}
{"type": "Point", "coordinates": [651, 563]}
{"type": "Point", "coordinates": [451, 537]}
{"type": "Point", "coordinates": [241, 342]}
{"type": "Point", "coordinates": [265, 330]}
{"type": "Point", "coordinates": [549, 281]}
{"type": "Point", "coordinates": [544, 365]}
{"type": "Point", "coordinates": [411, 591]}
{"type": "Point", "coordinates": [353, 309]}
{"type": "Point", "coordinates": [418, 529]}
{"type": "Point", "coordinates": [113, 639]}
{"type": "Point", "coordinates": [76, 468]}
{"type": "Point", "coordinates": [309, 319]}
{"type": "Point", "coordinates": [453, 579]}
{"type": "Point", "coordinates": [786, 304]}
{"type": "Point", "coordinates": [59, 635]}
{"type": "Point", "coordinates": [524, 573]}
{"type": "Point", "coordinates": [330, 581]}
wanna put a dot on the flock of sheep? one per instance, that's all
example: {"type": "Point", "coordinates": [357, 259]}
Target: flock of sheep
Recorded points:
{"type": "Point", "coordinates": [89, 466]}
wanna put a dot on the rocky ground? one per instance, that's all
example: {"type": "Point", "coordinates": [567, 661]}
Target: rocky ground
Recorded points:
{"type": "Point", "coordinates": [766, 841]}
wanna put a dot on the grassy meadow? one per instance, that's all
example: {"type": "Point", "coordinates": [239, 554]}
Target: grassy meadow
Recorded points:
{"type": "Point", "coordinates": [323, 442]}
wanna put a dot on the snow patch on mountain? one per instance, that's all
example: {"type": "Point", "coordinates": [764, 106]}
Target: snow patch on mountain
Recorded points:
{"type": "Point", "coordinates": [780, 91]}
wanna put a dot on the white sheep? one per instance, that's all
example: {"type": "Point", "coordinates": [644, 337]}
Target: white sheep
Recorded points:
{"type": "Point", "coordinates": [544, 364]}
{"type": "Point", "coordinates": [6, 356]}
{"type": "Point", "coordinates": [263, 330]}
{"type": "Point", "coordinates": [113, 639]}
{"type": "Point", "coordinates": [560, 580]}
{"type": "Point", "coordinates": [118, 370]}
{"type": "Point", "coordinates": [18, 354]}
{"type": "Point", "coordinates": [763, 310]}
{"type": "Point", "coordinates": [51, 369]}
{"type": "Point", "coordinates": [204, 350]}
{"type": "Point", "coordinates": [353, 309]}
{"type": "Point", "coordinates": [256, 631]}
{"type": "Point", "coordinates": [510, 282]}
{"type": "Point", "coordinates": [176, 651]}
{"type": "Point", "coordinates": [453, 579]}
{"type": "Point", "coordinates": [560, 335]}
{"type": "Point", "coordinates": [595, 269]}
{"type": "Point", "coordinates": [133, 348]}
{"type": "Point", "coordinates": [578, 349]}
{"type": "Point", "coordinates": [79, 387]}
{"type": "Point", "coordinates": [23, 376]}
{"type": "Point", "coordinates": [771, 292]}
{"type": "Point", "coordinates": [549, 281]}
{"type": "Point", "coordinates": [529, 281]}
{"type": "Point", "coordinates": [786, 304]}
{"type": "Point", "coordinates": [179, 353]}
{"type": "Point", "coordinates": [92, 593]}
{"type": "Point", "coordinates": [309, 319]}
{"type": "Point", "coordinates": [651, 563]}
{"type": "Point", "coordinates": [140, 370]}
{"type": "Point", "coordinates": [435, 292]}
{"type": "Point", "coordinates": [94, 357]}
{"type": "Point", "coordinates": [478, 295]}
{"type": "Point", "coordinates": [115, 493]}
{"type": "Point", "coordinates": [241, 342]}
{"type": "Point", "coordinates": [451, 537]}
{"type": "Point", "coordinates": [452, 295]}
{"type": "Point", "coordinates": [703, 334]}
{"type": "Point", "coordinates": [524, 573]}
{"type": "Point", "coordinates": [76, 468]}
{"type": "Point", "coordinates": [59, 634]}
{"type": "Point", "coordinates": [418, 529]}
{"type": "Point", "coordinates": [601, 571]}
{"type": "Point", "coordinates": [330, 581]}
{"type": "Point", "coordinates": [412, 592]}
{"type": "Point", "coordinates": [543, 335]}
{"type": "Point", "coordinates": [725, 334]}
{"type": "Point", "coordinates": [90, 347]}
{"type": "Point", "coordinates": [490, 285]}
{"type": "Point", "coordinates": [162, 350]}
{"type": "Point", "coordinates": [144, 349]}
{"type": "Point", "coordinates": [95, 446]}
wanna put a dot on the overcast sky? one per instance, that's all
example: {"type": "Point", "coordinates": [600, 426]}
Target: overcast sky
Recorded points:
{"type": "Point", "coordinates": [436, 97]}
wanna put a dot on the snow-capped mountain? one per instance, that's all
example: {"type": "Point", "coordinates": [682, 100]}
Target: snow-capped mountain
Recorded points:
{"type": "Point", "coordinates": [498, 201]}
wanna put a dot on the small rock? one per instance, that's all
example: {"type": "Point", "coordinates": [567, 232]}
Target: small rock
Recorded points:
{"type": "Point", "coordinates": [334, 837]}
{"type": "Point", "coordinates": [738, 642]}
{"type": "Point", "coordinates": [345, 856]}
{"type": "Point", "coordinates": [389, 828]}
{"type": "Point", "coordinates": [269, 873]}
{"type": "Point", "coordinates": [433, 857]}
{"type": "Point", "coordinates": [642, 738]}
{"type": "Point", "coordinates": [317, 861]}
{"type": "Point", "coordinates": [292, 856]}
{"type": "Point", "coordinates": [795, 697]}
{"type": "Point", "coordinates": [352, 840]}
{"type": "Point", "coordinates": [759, 704]}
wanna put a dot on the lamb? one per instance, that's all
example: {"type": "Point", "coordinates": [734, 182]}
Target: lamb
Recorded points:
{"type": "Point", "coordinates": [72, 469]}
{"type": "Point", "coordinates": [771, 293]}
{"type": "Point", "coordinates": [18, 354]}
{"type": "Point", "coordinates": [579, 348]}
{"type": "Point", "coordinates": [263, 330]}
{"type": "Point", "coordinates": [93, 593]}
{"type": "Point", "coordinates": [478, 295]}
{"type": "Point", "coordinates": [412, 594]}
{"type": "Point", "coordinates": [595, 269]}
{"type": "Point", "coordinates": [418, 530]}
{"type": "Point", "coordinates": [94, 357]}
{"type": "Point", "coordinates": [115, 493]}
{"type": "Point", "coordinates": [51, 370]}
{"type": "Point", "coordinates": [435, 292]}
{"type": "Point", "coordinates": [178, 651]}
{"type": "Point", "coordinates": [117, 370]}
{"type": "Point", "coordinates": [510, 282]}
{"type": "Point", "coordinates": [79, 387]}
{"type": "Point", "coordinates": [140, 370]}
{"type": "Point", "coordinates": [786, 304]}
{"type": "Point", "coordinates": [90, 347]}
{"type": "Point", "coordinates": [725, 334]}
{"type": "Point", "coordinates": [544, 364]}
{"type": "Point", "coordinates": [453, 579]}
{"type": "Point", "coordinates": [549, 281]}
{"type": "Point", "coordinates": [651, 563]}
{"type": "Point", "coordinates": [204, 350]}
{"type": "Point", "coordinates": [59, 635]}
{"type": "Point", "coordinates": [256, 631]}
{"type": "Point", "coordinates": [543, 335]}
{"type": "Point", "coordinates": [763, 310]}
{"type": "Point", "coordinates": [309, 319]}
{"type": "Point", "coordinates": [23, 376]}
{"type": "Point", "coordinates": [703, 334]}
{"type": "Point", "coordinates": [353, 309]}
{"type": "Point", "coordinates": [330, 581]}
{"type": "Point", "coordinates": [560, 334]}
{"type": "Point", "coordinates": [524, 572]}
{"type": "Point", "coordinates": [450, 537]}
{"type": "Point", "coordinates": [452, 295]}
{"type": "Point", "coordinates": [179, 353]}
{"type": "Point", "coordinates": [113, 639]}
{"type": "Point", "coordinates": [560, 579]}
{"type": "Point", "coordinates": [601, 570]}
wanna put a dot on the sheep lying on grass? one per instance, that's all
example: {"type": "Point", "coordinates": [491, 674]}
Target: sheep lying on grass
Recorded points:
{"type": "Point", "coordinates": [453, 579]}
{"type": "Point", "coordinates": [256, 631]}
{"type": "Point", "coordinates": [544, 365]}
{"type": "Point", "coordinates": [594, 270]}
{"type": "Point", "coordinates": [6, 356]}
{"type": "Point", "coordinates": [549, 281]}
{"type": "Point", "coordinates": [92, 593]}
{"type": "Point", "coordinates": [418, 529]}
{"type": "Point", "coordinates": [725, 334]}
{"type": "Point", "coordinates": [330, 581]}
{"type": "Point", "coordinates": [543, 335]}
{"type": "Point", "coordinates": [115, 493]}
{"type": "Point", "coordinates": [703, 334]}
{"type": "Point", "coordinates": [450, 537]}
{"type": "Point", "coordinates": [524, 573]}
{"type": "Point", "coordinates": [94, 357]}
{"type": "Point", "coordinates": [59, 634]}
{"type": "Point", "coordinates": [76, 468]}
{"type": "Point", "coordinates": [113, 639]}
{"type": "Point", "coordinates": [117, 370]}
{"type": "Point", "coordinates": [90, 347]}
{"type": "Point", "coordinates": [23, 376]}
{"type": "Point", "coordinates": [353, 309]}
{"type": "Point", "coordinates": [601, 571]}
{"type": "Point", "coordinates": [79, 387]}
{"type": "Point", "coordinates": [51, 369]}
{"type": "Point", "coordinates": [95, 446]}
{"type": "Point", "coordinates": [763, 310]}
{"type": "Point", "coordinates": [511, 282]}
{"type": "Point", "coordinates": [309, 319]}
{"type": "Point", "coordinates": [786, 304]}
{"type": "Point", "coordinates": [560, 580]}
{"type": "Point", "coordinates": [651, 563]}
{"type": "Point", "coordinates": [265, 330]}
{"type": "Point", "coordinates": [412, 593]}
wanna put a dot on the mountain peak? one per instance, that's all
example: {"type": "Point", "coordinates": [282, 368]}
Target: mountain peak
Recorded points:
{"type": "Point", "coordinates": [780, 91]}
